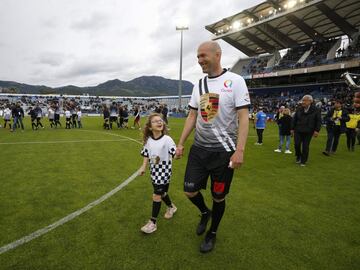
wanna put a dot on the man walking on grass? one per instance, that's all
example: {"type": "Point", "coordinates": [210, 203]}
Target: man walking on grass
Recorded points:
{"type": "Point", "coordinates": [219, 111]}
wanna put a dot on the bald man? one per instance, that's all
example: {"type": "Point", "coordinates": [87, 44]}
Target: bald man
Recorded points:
{"type": "Point", "coordinates": [219, 111]}
{"type": "Point", "coordinates": [306, 124]}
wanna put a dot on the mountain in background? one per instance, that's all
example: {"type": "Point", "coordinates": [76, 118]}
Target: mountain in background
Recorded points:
{"type": "Point", "coordinates": [142, 86]}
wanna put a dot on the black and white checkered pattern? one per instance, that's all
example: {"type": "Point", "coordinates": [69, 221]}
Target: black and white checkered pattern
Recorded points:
{"type": "Point", "coordinates": [144, 152]}
{"type": "Point", "coordinates": [160, 153]}
{"type": "Point", "coordinates": [161, 173]}
{"type": "Point", "coordinates": [172, 151]}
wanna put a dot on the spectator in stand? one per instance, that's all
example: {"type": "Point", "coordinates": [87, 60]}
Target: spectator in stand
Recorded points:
{"type": "Point", "coordinates": [285, 131]}
{"type": "Point", "coordinates": [305, 125]}
{"type": "Point", "coordinates": [335, 120]}
{"type": "Point", "coordinates": [260, 124]}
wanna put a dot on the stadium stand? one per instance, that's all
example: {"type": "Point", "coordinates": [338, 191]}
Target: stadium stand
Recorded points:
{"type": "Point", "coordinates": [295, 48]}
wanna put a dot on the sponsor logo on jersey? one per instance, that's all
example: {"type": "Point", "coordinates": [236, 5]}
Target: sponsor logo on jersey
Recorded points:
{"type": "Point", "coordinates": [209, 105]}
{"type": "Point", "coordinates": [228, 83]}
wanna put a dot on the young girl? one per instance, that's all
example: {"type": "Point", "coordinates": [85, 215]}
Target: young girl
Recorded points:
{"type": "Point", "coordinates": [68, 118]}
{"type": "Point", "coordinates": [79, 115]}
{"type": "Point", "coordinates": [285, 131]}
{"type": "Point", "coordinates": [158, 149]}
{"type": "Point", "coordinates": [7, 116]}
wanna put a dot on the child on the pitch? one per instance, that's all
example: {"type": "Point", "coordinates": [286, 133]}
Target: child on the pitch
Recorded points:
{"type": "Point", "coordinates": [7, 116]}
{"type": "Point", "coordinates": [51, 116]}
{"type": "Point", "coordinates": [68, 118]}
{"type": "Point", "coordinates": [158, 150]}
{"type": "Point", "coordinates": [79, 115]}
{"type": "Point", "coordinates": [32, 114]}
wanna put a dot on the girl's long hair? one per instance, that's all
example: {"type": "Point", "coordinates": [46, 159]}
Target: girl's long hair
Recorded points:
{"type": "Point", "coordinates": [147, 130]}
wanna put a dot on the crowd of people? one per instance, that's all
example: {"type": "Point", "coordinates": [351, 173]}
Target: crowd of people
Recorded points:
{"type": "Point", "coordinates": [305, 122]}
{"type": "Point", "coordinates": [13, 115]}
{"type": "Point", "coordinates": [115, 115]}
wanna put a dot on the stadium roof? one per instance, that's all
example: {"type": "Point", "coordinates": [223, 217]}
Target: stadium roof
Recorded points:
{"type": "Point", "coordinates": [281, 24]}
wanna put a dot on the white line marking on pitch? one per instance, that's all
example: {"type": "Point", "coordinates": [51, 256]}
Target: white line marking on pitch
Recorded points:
{"type": "Point", "coordinates": [75, 214]}
{"type": "Point", "coordinates": [56, 142]}
{"type": "Point", "coordinates": [112, 134]}
{"type": "Point", "coordinates": [66, 219]}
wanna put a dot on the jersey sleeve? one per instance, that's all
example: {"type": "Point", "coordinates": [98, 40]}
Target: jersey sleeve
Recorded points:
{"type": "Point", "coordinates": [194, 100]}
{"type": "Point", "coordinates": [241, 94]}
{"type": "Point", "coordinates": [171, 146]}
{"type": "Point", "coordinates": [145, 151]}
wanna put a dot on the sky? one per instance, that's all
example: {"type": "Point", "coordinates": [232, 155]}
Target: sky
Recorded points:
{"type": "Point", "coordinates": [88, 42]}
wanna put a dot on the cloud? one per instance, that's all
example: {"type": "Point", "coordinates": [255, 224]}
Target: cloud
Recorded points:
{"type": "Point", "coordinates": [95, 21]}
{"type": "Point", "coordinates": [53, 59]}
{"type": "Point", "coordinates": [105, 39]}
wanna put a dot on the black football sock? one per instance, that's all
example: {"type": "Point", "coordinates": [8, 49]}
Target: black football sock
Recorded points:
{"type": "Point", "coordinates": [155, 210]}
{"type": "Point", "coordinates": [198, 200]}
{"type": "Point", "coordinates": [217, 213]}
{"type": "Point", "coordinates": [167, 200]}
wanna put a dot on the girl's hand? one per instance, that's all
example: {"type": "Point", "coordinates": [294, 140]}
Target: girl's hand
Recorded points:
{"type": "Point", "coordinates": [179, 151]}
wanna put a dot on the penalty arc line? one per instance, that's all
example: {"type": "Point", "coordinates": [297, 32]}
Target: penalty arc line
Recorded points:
{"type": "Point", "coordinates": [56, 142]}
{"type": "Point", "coordinates": [73, 215]}
{"type": "Point", "coordinates": [66, 219]}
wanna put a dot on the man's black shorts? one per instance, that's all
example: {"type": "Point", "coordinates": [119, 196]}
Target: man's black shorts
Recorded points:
{"type": "Point", "coordinates": [202, 164]}
{"type": "Point", "coordinates": [160, 189]}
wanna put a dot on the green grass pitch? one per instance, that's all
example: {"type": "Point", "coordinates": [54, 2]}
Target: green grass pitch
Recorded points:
{"type": "Point", "coordinates": [278, 215]}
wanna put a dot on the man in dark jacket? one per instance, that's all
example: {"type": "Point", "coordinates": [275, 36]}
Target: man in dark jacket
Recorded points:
{"type": "Point", "coordinates": [335, 120]}
{"type": "Point", "coordinates": [18, 115]}
{"type": "Point", "coordinates": [32, 114]}
{"type": "Point", "coordinates": [305, 125]}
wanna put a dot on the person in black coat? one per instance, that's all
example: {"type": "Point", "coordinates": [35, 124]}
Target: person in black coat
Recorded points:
{"type": "Point", "coordinates": [305, 125]}
{"type": "Point", "coordinates": [18, 115]}
{"type": "Point", "coordinates": [32, 114]}
{"type": "Point", "coordinates": [335, 120]}
{"type": "Point", "coordinates": [285, 131]}
{"type": "Point", "coordinates": [106, 113]}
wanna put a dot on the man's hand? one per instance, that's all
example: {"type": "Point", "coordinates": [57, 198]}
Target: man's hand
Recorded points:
{"type": "Point", "coordinates": [315, 134]}
{"type": "Point", "coordinates": [292, 133]}
{"type": "Point", "coordinates": [142, 170]}
{"type": "Point", "coordinates": [236, 160]}
{"type": "Point", "coordinates": [179, 151]}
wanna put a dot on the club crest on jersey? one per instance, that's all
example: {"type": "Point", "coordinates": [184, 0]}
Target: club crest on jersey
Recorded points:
{"type": "Point", "coordinates": [209, 105]}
